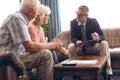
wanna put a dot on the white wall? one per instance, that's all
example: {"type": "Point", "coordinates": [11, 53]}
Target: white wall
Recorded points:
{"type": "Point", "coordinates": [7, 7]}
{"type": "Point", "coordinates": [107, 12]}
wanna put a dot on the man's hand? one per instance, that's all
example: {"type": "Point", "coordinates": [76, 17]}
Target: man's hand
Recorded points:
{"type": "Point", "coordinates": [56, 44]}
{"type": "Point", "coordinates": [56, 40]}
{"type": "Point", "coordinates": [79, 43]}
{"type": "Point", "coordinates": [95, 36]}
{"type": "Point", "coordinates": [61, 50]}
{"type": "Point", "coordinates": [53, 45]}
{"type": "Point", "coordinates": [59, 46]}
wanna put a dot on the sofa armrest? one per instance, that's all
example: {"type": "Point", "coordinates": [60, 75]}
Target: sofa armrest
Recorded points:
{"type": "Point", "coordinates": [64, 37]}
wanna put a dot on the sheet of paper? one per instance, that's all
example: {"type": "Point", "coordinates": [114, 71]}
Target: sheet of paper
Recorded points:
{"type": "Point", "coordinates": [81, 62]}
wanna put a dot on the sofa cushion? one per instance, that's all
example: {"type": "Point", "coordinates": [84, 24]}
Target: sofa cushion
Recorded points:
{"type": "Point", "coordinates": [112, 35]}
{"type": "Point", "coordinates": [115, 53]}
{"type": "Point", "coordinates": [64, 38]}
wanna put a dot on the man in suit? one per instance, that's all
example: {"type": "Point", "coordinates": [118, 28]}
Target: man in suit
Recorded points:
{"type": "Point", "coordinates": [83, 29]}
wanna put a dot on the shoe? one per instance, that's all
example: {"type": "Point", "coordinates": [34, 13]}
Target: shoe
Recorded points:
{"type": "Point", "coordinates": [22, 77]}
{"type": "Point", "coordinates": [110, 77]}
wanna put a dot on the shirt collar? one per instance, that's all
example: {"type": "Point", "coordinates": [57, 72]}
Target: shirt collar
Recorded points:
{"type": "Point", "coordinates": [24, 18]}
{"type": "Point", "coordinates": [79, 23]}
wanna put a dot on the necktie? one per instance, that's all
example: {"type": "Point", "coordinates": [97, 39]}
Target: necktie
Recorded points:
{"type": "Point", "coordinates": [83, 30]}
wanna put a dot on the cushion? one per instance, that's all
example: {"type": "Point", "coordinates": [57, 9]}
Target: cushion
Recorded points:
{"type": "Point", "coordinates": [115, 53]}
{"type": "Point", "coordinates": [112, 35]}
{"type": "Point", "coordinates": [64, 38]}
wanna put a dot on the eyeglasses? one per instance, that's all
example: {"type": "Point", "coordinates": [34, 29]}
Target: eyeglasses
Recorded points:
{"type": "Point", "coordinates": [81, 15]}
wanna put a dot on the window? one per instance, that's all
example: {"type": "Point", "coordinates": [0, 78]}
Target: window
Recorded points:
{"type": "Point", "coordinates": [105, 11]}
{"type": "Point", "coordinates": [7, 7]}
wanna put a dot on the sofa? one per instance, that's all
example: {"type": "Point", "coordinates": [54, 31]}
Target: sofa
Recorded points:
{"type": "Point", "coordinates": [112, 36]}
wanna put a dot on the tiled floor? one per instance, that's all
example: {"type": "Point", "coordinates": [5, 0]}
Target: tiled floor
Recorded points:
{"type": "Point", "coordinates": [116, 76]}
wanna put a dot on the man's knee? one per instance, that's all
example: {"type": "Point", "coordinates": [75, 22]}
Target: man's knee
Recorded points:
{"type": "Point", "coordinates": [104, 44]}
{"type": "Point", "coordinates": [46, 53]}
{"type": "Point", "coordinates": [71, 46]}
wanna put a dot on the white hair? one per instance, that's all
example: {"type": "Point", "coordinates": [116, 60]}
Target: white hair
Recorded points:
{"type": "Point", "coordinates": [43, 10]}
{"type": "Point", "coordinates": [27, 4]}
{"type": "Point", "coordinates": [48, 10]}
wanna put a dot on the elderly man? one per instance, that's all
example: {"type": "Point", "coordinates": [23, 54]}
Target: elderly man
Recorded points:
{"type": "Point", "coordinates": [15, 37]}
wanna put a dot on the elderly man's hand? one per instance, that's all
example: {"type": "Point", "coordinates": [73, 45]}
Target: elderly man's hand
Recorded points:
{"type": "Point", "coordinates": [62, 50]}
{"type": "Point", "coordinates": [59, 47]}
{"type": "Point", "coordinates": [56, 43]}
{"type": "Point", "coordinates": [55, 40]}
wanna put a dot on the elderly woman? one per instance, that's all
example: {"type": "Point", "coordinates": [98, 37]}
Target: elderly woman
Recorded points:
{"type": "Point", "coordinates": [36, 31]}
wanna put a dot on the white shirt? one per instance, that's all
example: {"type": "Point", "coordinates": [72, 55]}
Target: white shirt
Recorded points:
{"type": "Point", "coordinates": [14, 31]}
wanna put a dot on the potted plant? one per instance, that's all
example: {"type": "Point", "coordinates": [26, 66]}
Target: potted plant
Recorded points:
{"type": "Point", "coordinates": [46, 28]}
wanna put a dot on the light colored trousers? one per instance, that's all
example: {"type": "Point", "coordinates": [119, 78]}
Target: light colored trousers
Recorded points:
{"type": "Point", "coordinates": [43, 61]}
{"type": "Point", "coordinates": [101, 48]}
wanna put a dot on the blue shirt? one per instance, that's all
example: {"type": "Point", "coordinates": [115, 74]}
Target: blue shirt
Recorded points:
{"type": "Point", "coordinates": [13, 32]}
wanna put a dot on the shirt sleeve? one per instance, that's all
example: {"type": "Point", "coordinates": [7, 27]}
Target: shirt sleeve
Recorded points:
{"type": "Point", "coordinates": [18, 31]}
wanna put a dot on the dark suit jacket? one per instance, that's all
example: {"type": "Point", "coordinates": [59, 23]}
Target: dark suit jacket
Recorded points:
{"type": "Point", "coordinates": [91, 27]}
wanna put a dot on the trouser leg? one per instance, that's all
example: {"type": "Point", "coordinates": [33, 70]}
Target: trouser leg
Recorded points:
{"type": "Point", "coordinates": [41, 60]}
{"type": "Point", "coordinates": [102, 49]}
{"type": "Point", "coordinates": [55, 58]}
{"type": "Point", "coordinates": [98, 48]}
{"type": "Point", "coordinates": [73, 50]}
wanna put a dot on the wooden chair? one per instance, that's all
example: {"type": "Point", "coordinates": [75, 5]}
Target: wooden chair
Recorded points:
{"type": "Point", "coordinates": [10, 66]}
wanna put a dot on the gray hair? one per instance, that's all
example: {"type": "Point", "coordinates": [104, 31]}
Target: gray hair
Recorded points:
{"type": "Point", "coordinates": [84, 8]}
{"type": "Point", "coordinates": [27, 4]}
